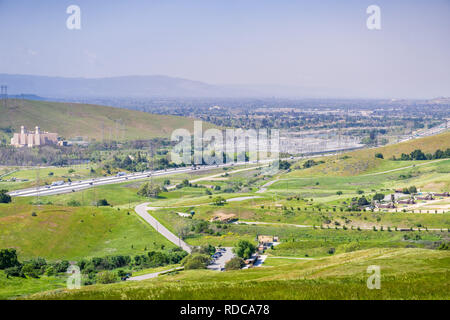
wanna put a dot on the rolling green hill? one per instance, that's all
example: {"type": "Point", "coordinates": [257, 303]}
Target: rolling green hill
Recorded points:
{"type": "Point", "coordinates": [364, 161]}
{"type": "Point", "coordinates": [59, 232]}
{"type": "Point", "coordinates": [71, 120]}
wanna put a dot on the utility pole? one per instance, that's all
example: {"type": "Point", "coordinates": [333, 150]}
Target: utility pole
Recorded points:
{"type": "Point", "coordinates": [38, 201]}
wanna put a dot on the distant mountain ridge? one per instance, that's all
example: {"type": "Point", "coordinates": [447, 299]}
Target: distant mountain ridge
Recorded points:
{"type": "Point", "coordinates": [124, 86]}
{"type": "Point", "coordinates": [145, 86]}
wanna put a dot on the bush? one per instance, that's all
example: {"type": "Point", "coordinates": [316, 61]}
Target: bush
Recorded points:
{"type": "Point", "coordinates": [73, 203]}
{"type": "Point", "coordinates": [30, 271]}
{"type": "Point", "coordinates": [196, 261]}
{"type": "Point", "coordinates": [4, 197]}
{"type": "Point", "coordinates": [102, 203]}
{"type": "Point", "coordinates": [219, 201]}
{"type": "Point", "coordinates": [106, 277]}
{"type": "Point", "coordinates": [379, 155]}
{"type": "Point", "coordinates": [14, 272]}
{"type": "Point", "coordinates": [234, 264]}
{"type": "Point", "coordinates": [350, 247]}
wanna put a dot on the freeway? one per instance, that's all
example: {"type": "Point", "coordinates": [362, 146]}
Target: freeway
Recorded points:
{"type": "Point", "coordinates": [68, 187]}
{"type": "Point", "coordinates": [74, 186]}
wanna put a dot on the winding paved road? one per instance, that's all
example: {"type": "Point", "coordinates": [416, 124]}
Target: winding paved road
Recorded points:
{"type": "Point", "coordinates": [142, 211]}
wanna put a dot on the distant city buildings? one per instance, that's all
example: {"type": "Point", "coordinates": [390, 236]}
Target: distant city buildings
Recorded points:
{"type": "Point", "coordinates": [30, 139]}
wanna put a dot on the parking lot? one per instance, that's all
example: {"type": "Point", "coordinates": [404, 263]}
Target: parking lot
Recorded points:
{"type": "Point", "coordinates": [226, 254]}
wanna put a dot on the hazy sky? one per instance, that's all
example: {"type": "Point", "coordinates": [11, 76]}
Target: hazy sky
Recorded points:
{"type": "Point", "coordinates": [312, 44]}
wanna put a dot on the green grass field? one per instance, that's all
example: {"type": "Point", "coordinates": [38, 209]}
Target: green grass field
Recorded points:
{"type": "Point", "coordinates": [405, 274]}
{"type": "Point", "coordinates": [58, 233]}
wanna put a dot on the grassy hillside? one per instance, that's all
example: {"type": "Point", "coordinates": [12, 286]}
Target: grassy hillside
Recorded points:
{"type": "Point", "coordinates": [75, 232]}
{"type": "Point", "coordinates": [405, 274]}
{"type": "Point", "coordinates": [364, 161]}
{"type": "Point", "coordinates": [73, 120]}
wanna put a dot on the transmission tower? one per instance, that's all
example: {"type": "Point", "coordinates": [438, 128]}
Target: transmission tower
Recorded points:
{"type": "Point", "coordinates": [4, 93]}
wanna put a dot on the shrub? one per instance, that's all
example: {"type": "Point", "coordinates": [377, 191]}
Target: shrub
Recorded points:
{"type": "Point", "coordinates": [196, 261]}
{"type": "Point", "coordinates": [102, 203]}
{"type": "Point", "coordinates": [106, 277]}
{"type": "Point", "coordinates": [73, 203]}
{"type": "Point", "coordinates": [4, 197]}
{"type": "Point", "coordinates": [30, 271]}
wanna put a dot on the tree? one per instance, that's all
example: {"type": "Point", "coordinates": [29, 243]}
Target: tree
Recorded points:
{"type": "Point", "coordinates": [339, 193]}
{"type": "Point", "coordinates": [379, 155]}
{"type": "Point", "coordinates": [362, 201]}
{"type": "Point", "coordinates": [235, 263]}
{"type": "Point", "coordinates": [4, 197]}
{"type": "Point", "coordinates": [418, 155]}
{"type": "Point", "coordinates": [8, 258]}
{"type": "Point", "coordinates": [412, 189]}
{"type": "Point", "coordinates": [102, 203]}
{"type": "Point", "coordinates": [219, 201]}
{"type": "Point", "coordinates": [244, 249]}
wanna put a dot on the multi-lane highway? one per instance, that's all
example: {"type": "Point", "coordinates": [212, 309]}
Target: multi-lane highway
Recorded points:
{"type": "Point", "coordinates": [84, 184]}
{"type": "Point", "coordinates": [74, 186]}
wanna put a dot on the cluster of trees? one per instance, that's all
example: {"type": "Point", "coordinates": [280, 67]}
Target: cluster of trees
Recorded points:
{"type": "Point", "coordinates": [97, 269]}
{"type": "Point", "coordinates": [134, 163]}
{"type": "Point", "coordinates": [311, 163]}
{"type": "Point", "coordinates": [33, 268]}
{"type": "Point", "coordinates": [410, 190]}
{"type": "Point", "coordinates": [155, 259]}
{"type": "Point", "coordinates": [44, 155]}
{"type": "Point", "coordinates": [149, 190]}
{"type": "Point", "coordinates": [420, 155]}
